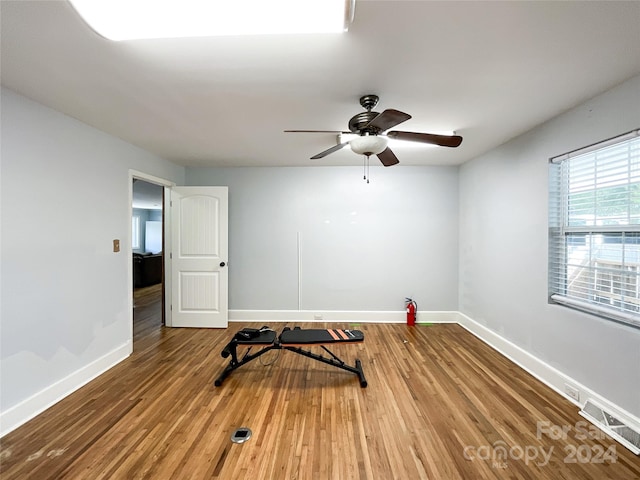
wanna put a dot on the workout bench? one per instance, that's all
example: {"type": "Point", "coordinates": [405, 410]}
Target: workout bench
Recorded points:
{"type": "Point", "coordinates": [291, 340]}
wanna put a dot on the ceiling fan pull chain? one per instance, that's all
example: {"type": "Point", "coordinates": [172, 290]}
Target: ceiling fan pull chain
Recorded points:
{"type": "Point", "coordinates": [368, 169]}
{"type": "Point", "coordinates": [364, 167]}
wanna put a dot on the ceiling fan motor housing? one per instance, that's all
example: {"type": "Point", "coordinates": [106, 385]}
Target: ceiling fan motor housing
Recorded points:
{"type": "Point", "coordinates": [358, 122]}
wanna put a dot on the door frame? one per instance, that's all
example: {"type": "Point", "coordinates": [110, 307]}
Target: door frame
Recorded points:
{"type": "Point", "coordinates": [167, 184]}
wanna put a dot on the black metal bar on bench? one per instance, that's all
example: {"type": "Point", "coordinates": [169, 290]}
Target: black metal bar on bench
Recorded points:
{"type": "Point", "coordinates": [293, 341]}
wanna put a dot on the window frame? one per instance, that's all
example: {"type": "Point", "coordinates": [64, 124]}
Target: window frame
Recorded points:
{"type": "Point", "coordinates": [565, 231]}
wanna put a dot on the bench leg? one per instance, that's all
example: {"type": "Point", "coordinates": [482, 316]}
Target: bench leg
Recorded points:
{"type": "Point", "coordinates": [335, 361]}
{"type": "Point", "coordinates": [234, 364]}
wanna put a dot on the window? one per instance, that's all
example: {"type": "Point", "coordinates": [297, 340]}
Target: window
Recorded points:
{"type": "Point", "coordinates": [594, 229]}
{"type": "Point", "coordinates": [135, 232]}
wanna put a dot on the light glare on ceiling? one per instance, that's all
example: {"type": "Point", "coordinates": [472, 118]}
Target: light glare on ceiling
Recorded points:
{"type": "Point", "coordinates": [141, 19]}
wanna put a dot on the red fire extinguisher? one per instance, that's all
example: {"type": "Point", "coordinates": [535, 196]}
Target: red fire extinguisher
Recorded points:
{"type": "Point", "coordinates": [412, 308]}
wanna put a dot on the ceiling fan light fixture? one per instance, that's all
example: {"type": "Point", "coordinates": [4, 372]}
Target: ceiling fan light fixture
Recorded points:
{"type": "Point", "coordinates": [368, 144]}
{"type": "Point", "coordinates": [144, 19]}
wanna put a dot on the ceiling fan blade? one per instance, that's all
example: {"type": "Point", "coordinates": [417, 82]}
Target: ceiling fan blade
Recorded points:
{"type": "Point", "coordinates": [387, 119]}
{"type": "Point", "coordinates": [329, 150]}
{"type": "Point", "coordinates": [315, 131]}
{"type": "Point", "coordinates": [432, 138]}
{"type": "Point", "coordinates": [388, 158]}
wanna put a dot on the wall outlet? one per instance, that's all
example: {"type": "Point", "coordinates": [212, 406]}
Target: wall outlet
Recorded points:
{"type": "Point", "coordinates": [317, 317]}
{"type": "Point", "coordinates": [572, 392]}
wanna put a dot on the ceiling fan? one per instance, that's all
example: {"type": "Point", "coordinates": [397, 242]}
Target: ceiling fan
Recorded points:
{"type": "Point", "coordinates": [372, 130]}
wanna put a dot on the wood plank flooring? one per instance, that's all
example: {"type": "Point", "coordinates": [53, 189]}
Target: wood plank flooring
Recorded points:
{"type": "Point", "coordinates": [440, 405]}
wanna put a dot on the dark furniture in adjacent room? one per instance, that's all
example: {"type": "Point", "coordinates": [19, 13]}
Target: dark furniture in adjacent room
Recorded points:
{"type": "Point", "coordinates": [147, 269]}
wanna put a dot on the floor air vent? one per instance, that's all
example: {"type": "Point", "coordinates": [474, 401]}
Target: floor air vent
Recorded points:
{"type": "Point", "coordinates": [612, 426]}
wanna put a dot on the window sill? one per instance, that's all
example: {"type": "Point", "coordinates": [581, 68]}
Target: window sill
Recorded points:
{"type": "Point", "coordinates": [630, 319]}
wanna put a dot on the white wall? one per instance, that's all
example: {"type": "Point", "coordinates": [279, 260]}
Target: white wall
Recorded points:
{"type": "Point", "coordinates": [503, 251]}
{"type": "Point", "coordinates": [363, 247]}
{"type": "Point", "coordinates": [64, 298]}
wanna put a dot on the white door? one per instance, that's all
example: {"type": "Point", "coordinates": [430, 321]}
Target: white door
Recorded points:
{"type": "Point", "coordinates": [199, 248]}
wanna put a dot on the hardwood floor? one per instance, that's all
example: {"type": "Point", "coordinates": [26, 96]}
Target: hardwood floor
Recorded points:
{"type": "Point", "coordinates": [440, 405]}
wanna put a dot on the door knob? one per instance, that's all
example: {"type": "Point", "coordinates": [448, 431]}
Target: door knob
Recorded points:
{"type": "Point", "coordinates": [222, 264]}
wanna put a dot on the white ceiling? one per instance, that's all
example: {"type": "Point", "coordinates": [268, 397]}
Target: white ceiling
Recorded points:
{"type": "Point", "coordinates": [487, 70]}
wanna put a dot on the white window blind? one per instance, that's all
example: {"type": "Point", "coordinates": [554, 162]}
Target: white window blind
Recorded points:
{"type": "Point", "coordinates": [594, 229]}
{"type": "Point", "coordinates": [135, 232]}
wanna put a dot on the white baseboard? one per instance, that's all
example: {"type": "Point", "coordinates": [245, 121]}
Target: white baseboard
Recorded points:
{"type": "Point", "coordinates": [338, 316]}
{"type": "Point", "coordinates": [550, 376]}
{"type": "Point", "coordinates": [38, 403]}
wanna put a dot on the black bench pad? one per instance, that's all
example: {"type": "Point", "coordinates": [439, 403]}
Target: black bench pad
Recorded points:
{"type": "Point", "coordinates": [264, 338]}
{"type": "Point", "coordinates": [320, 336]}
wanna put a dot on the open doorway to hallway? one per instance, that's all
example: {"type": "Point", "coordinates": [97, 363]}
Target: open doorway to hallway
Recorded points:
{"type": "Point", "coordinates": [147, 254]}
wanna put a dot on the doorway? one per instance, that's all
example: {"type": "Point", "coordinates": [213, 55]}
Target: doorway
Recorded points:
{"type": "Point", "coordinates": [147, 249]}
